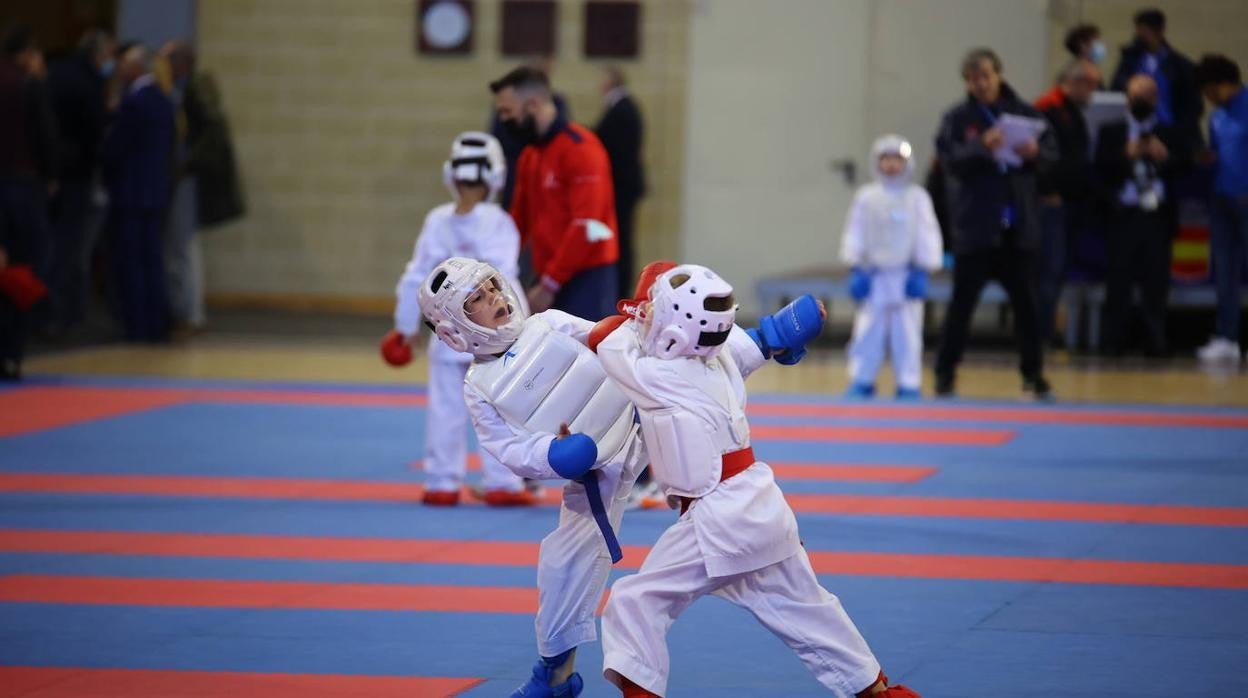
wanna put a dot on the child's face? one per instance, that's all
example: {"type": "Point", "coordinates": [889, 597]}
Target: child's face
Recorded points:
{"type": "Point", "coordinates": [471, 193]}
{"type": "Point", "coordinates": [488, 305]}
{"type": "Point", "coordinates": [892, 165]}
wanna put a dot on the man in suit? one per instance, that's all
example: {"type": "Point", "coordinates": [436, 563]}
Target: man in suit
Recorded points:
{"type": "Point", "coordinates": [1137, 159]}
{"type": "Point", "coordinates": [138, 173]}
{"type": "Point", "coordinates": [1179, 103]}
{"type": "Point", "coordinates": [994, 213]}
{"type": "Point", "coordinates": [78, 84]}
{"type": "Point", "coordinates": [620, 130]}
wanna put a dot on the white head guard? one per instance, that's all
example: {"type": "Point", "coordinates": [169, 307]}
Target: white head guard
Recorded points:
{"type": "Point", "coordinates": [692, 313]}
{"type": "Point", "coordinates": [476, 158]}
{"type": "Point", "coordinates": [458, 282]}
{"type": "Point", "coordinates": [892, 144]}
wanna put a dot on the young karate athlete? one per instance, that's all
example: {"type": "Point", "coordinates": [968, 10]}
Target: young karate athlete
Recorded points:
{"type": "Point", "coordinates": [683, 363]}
{"type": "Point", "coordinates": [542, 405]}
{"type": "Point", "coordinates": [470, 225]}
{"type": "Point", "coordinates": [891, 243]}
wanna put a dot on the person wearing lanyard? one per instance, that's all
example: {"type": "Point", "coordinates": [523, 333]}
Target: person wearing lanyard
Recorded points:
{"type": "Point", "coordinates": [1137, 159]}
{"type": "Point", "coordinates": [994, 216]}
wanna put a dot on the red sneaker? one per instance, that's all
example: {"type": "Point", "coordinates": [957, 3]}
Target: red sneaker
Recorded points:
{"type": "Point", "coordinates": [507, 498]}
{"type": "Point", "coordinates": [434, 498]}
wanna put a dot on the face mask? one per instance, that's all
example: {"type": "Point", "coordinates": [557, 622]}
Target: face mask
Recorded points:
{"type": "Point", "coordinates": [106, 70]}
{"type": "Point", "coordinates": [1097, 51]}
{"type": "Point", "coordinates": [522, 130]}
{"type": "Point", "coordinates": [1141, 110]}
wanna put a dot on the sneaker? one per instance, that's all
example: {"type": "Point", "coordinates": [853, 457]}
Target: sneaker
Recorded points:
{"type": "Point", "coordinates": [1218, 349]}
{"type": "Point", "coordinates": [860, 390]}
{"type": "Point", "coordinates": [435, 498]}
{"type": "Point", "coordinates": [507, 498]}
{"type": "Point", "coordinates": [1038, 388]}
{"type": "Point", "coordinates": [945, 386]}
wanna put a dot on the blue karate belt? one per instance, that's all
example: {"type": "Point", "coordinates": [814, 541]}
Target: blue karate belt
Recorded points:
{"type": "Point", "coordinates": [590, 481]}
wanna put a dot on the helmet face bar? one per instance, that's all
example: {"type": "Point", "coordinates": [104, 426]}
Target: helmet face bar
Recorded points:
{"type": "Point", "coordinates": [476, 158]}
{"type": "Point", "coordinates": [471, 307]}
{"type": "Point", "coordinates": [692, 313]}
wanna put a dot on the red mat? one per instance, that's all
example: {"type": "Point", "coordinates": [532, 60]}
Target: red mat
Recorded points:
{"type": "Point", "coordinates": [58, 682]}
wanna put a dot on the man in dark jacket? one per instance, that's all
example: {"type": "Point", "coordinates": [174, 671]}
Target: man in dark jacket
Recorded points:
{"type": "Point", "coordinates": [138, 172]}
{"type": "Point", "coordinates": [77, 84]}
{"type": "Point", "coordinates": [27, 163]}
{"type": "Point", "coordinates": [620, 130]}
{"type": "Point", "coordinates": [1066, 194]}
{"type": "Point", "coordinates": [1138, 159]}
{"type": "Point", "coordinates": [1179, 103]}
{"type": "Point", "coordinates": [994, 211]}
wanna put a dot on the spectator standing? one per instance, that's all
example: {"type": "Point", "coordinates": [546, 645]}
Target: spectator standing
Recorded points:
{"type": "Point", "coordinates": [27, 165]}
{"type": "Point", "coordinates": [1223, 86]}
{"type": "Point", "coordinates": [563, 204]}
{"type": "Point", "coordinates": [621, 131]}
{"type": "Point", "coordinates": [1066, 194]}
{"type": "Point", "coordinates": [138, 173]}
{"type": "Point", "coordinates": [1178, 98]}
{"type": "Point", "coordinates": [78, 86]}
{"type": "Point", "coordinates": [1138, 159]}
{"type": "Point", "coordinates": [994, 216]}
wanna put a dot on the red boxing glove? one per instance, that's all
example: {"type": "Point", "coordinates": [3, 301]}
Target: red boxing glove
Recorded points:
{"type": "Point", "coordinates": [604, 327]}
{"type": "Point", "coordinates": [627, 306]}
{"type": "Point", "coordinates": [21, 285]}
{"type": "Point", "coordinates": [395, 350]}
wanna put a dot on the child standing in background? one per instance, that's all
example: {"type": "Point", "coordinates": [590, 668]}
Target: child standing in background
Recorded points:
{"type": "Point", "coordinates": [891, 243]}
{"type": "Point", "coordinates": [470, 226]}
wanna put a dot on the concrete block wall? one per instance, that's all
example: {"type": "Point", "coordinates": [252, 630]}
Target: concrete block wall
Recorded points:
{"type": "Point", "coordinates": [341, 127]}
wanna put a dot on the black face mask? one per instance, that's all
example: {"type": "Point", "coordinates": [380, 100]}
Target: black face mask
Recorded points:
{"type": "Point", "coordinates": [1141, 110]}
{"type": "Point", "coordinates": [522, 130]}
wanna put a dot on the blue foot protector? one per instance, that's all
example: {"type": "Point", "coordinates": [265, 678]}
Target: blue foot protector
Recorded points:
{"type": "Point", "coordinates": [861, 390]}
{"type": "Point", "coordinates": [538, 685]}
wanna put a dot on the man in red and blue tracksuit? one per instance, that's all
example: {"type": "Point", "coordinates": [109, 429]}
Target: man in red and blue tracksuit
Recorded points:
{"type": "Point", "coordinates": [563, 204]}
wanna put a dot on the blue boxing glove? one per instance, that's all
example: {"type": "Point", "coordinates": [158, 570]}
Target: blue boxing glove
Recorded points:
{"type": "Point", "coordinates": [572, 456]}
{"type": "Point", "coordinates": [859, 284]}
{"type": "Point", "coordinates": [789, 329]}
{"type": "Point", "coordinates": [916, 283]}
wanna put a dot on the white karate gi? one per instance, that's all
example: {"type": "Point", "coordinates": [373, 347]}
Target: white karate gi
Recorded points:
{"type": "Point", "coordinates": [573, 563]}
{"type": "Point", "coordinates": [485, 233]}
{"type": "Point", "coordinates": [890, 228]}
{"type": "Point", "coordinates": [739, 541]}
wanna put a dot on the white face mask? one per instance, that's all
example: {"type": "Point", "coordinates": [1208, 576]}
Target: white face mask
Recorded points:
{"type": "Point", "coordinates": [1097, 51]}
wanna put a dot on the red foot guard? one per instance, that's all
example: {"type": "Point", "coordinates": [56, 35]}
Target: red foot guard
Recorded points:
{"type": "Point", "coordinates": [889, 691]}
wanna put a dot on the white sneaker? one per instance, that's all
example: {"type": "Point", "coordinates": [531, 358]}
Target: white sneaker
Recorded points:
{"type": "Point", "coordinates": [1218, 349]}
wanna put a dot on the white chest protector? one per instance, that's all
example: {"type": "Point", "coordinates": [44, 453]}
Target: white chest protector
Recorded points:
{"type": "Point", "coordinates": [686, 442]}
{"type": "Point", "coordinates": [547, 379]}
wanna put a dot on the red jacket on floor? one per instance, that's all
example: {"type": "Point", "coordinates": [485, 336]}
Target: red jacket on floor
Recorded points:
{"type": "Point", "coordinates": [564, 205]}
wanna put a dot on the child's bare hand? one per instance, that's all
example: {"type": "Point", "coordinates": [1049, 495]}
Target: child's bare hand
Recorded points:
{"type": "Point", "coordinates": [823, 310]}
{"type": "Point", "coordinates": [564, 431]}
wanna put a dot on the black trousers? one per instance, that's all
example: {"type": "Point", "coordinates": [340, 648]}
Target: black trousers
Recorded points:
{"type": "Point", "coordinates": [1139, 254]}
{"type": "Point", "coordinates": [624, 211]}
{"type": "Point", "coordinates": [138, 261]}
{"type": "Point", "coordinates": [971, 272]}
{"type": "Point", "coordinates": [24, 233]}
